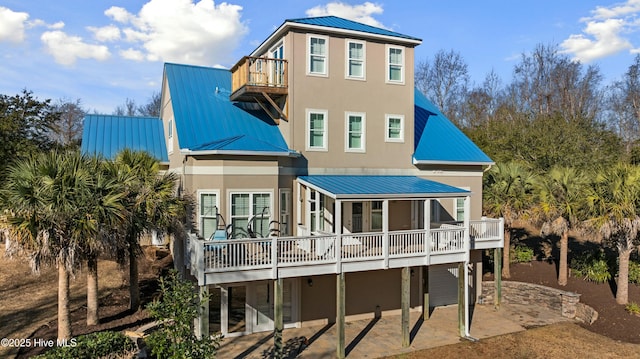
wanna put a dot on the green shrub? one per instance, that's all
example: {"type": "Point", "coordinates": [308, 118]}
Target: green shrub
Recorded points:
{"type": "Point", "coordinates": [178, 306]}
{"type": "Point", "coordinates": [634, 272]}
{"type": "Point", "coordinates": [593, 267]}
{"type": "Point", "coordinates": [94, 345]}
{"type": "Point", "coordinates": [633, 308]}
{"type": "Point", "coordinates": [521, 254]}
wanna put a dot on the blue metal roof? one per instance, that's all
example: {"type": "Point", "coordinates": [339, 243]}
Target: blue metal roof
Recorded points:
{"type": "Point", "coordinates": [437, 140]}
{"type": "Point", "coordinates": [351, 187]}
{"type": "Point", "coordinates": [107, 135]}
{"type": "Point", "coordinates": [344, 24]}
{"type": "Point", "coordinates": [206, 120]}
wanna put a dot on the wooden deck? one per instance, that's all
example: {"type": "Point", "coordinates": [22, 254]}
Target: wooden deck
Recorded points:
{"type": "Point", "coordinates": [238, 260]}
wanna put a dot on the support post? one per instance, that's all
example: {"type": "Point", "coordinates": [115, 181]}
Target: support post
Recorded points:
{"type": "Point", "coordinates": [278, 320]}
{"type": "Point", "coordinates": [497, 277]}
{"type": "Point", "coordinates": [340, 314]}
{"type": "Point", "coordinates": [461, 300]}
{"type": "Point", "coordinates": [385, 232]}
{"type": "Point", "coordinates": [425, 292]}
{"type": "Point", "coordinates": [203, 312]}
{"type": "Point", "coordinates": [405, 297]}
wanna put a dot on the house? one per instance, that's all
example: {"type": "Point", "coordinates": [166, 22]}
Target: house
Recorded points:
{"type": "Point", "coordinates": [326, 187]}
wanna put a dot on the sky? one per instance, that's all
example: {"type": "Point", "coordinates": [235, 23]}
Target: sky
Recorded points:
{"type": "Point", "coordinates": [106, 51]}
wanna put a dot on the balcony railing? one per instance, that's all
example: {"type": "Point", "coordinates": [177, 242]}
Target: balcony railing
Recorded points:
{"type": "Point", "coordinates": [272, 255]}
{"type": "Point", "coordinates": [255, 75]}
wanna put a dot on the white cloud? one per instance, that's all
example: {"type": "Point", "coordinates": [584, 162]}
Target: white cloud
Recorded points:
{"type": "Point", "coordinates": [607, 32]}
{"type": "Point", "coordinates": [132, 54]}
{"type": "Point", "coordinates": [105, 33]}
{"type": "Point", "coordinates": [361, 13]}
{"type": "Point", "coordinates": [12, 25]}
{"type": "Point", "coordinates": [200, 33]}
{"type": "Point", "coordinates": [67, 49]}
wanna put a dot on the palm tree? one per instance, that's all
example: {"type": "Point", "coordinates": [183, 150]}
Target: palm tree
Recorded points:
{"type": "Point", "coordinates": [614, 200]}
{"type": "Point", "coordinates": [561, 201]}
{"type": "Point", "coordinates": [151, 205]}
{"type": "Point", "coordinates": [108, 210]}
{"type": "Point", "coordinates": [49, 197]}
{"type": "Point", "coordinates": [507, 194]}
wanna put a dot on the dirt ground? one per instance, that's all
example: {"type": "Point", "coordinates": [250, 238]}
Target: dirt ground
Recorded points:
{"type": "Point", "coordinates": [28, 302]}
{"type": "Point", "coordinates": [28, 307]}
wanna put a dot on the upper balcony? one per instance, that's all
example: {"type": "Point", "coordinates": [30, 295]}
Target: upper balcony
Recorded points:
{"type": "Point", "coordinates": [257, 78]}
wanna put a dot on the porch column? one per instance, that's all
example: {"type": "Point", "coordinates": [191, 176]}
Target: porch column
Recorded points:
{"type": "Point", "coordinates": [385, 232]}
{"type": "Point", "coordinates": [497, 277]}
{"type": "Point", "coordinates": [462, 302]}
{"type": "Point", "coordinates": [405, 298]}
{"type": "Point", "coordinates": [203, 312]}
{"type": "Point", "coordinates": [425, 292]}
{"type": "Point", "coordinates": [340, 313]}
{"type": "Point", "coordinates": [278, 320]}
{"type": "Point", "coordinates": [427, 228]}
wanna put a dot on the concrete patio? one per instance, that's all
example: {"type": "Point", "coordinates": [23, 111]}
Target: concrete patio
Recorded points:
{"type": "Point", "coordinates": [376, 338]}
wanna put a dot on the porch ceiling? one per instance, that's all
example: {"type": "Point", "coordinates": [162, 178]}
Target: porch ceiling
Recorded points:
{"type": "Point", "coordinates": [345, 187]}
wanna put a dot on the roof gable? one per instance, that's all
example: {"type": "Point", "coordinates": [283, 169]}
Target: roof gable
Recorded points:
{"type": "Point", "coordinates": [437, 140]}
{"type": "Point", "coordinates": [107, 135]}
{"type": "Point", "coordinates": [206, 120]}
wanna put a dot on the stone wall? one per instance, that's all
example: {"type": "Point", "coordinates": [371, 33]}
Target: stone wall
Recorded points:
{"type": "Point", "coordinates": [564, 303]}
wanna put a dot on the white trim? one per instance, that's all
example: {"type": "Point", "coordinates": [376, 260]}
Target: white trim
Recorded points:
{"type": "Point", "coordinates": [284, 27]}
{"type": "Point", "coordinates": [347, 60]}
{"type": "Point", "coordinates": [326, 55]}
{"type": "Point", "coordinates": [188, 152]}
{"type": "Point", "coordinates": [438, 162]}
{"type": "Point", "coordinates": [363, 132]}
{"type": "Point", "coordinates": [199, 193]}
{"type": "Point", "coordinates": [387, 118]}
{"type": "Point", "coordinates": [388, 48]}
{"type": "Point", "coordinates": [325, 126]}
{"type": "Point", "coordinates": [233, 170]}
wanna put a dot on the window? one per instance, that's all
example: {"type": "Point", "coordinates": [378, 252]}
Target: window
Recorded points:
{"type": "Point", "coordinates": [318, 54]}
{"type": "Point", "coordinates": [376, 216]}
{"type": "Point", "coordinates": [250, 210]}
{"type": "Point", "coordinates": [170, 139]}
{"type": "Point", "coordinates": [316, 211]}
{"type": "Point", "coordinates": [355, 132]}
{"type": "Point", "coordinates": [285, 212]}
{"type": "Point", "coordinates": [317, 130]}
{"type": "Point", "coordinates": [459, 209]}
{"type": "Point", "coordinates": [355, 59]}
{"type": "Point", "coordinates": [395, 65]}
{"type": "Point", "coordinates": [208, 213]}
{"type": "Point", "coordinates": [394, 128]}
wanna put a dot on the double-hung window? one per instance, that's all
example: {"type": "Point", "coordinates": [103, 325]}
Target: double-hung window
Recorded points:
{"type": "Point", "coordinates": [394, 128]}
{"type": "Point", "coordinates": [317, 130]}
{"type": "Point", "coordinates": [170, 136]}
{"type": "Point", "coordinates": [207, 213]}
{"type": "Point", "coordinates": [376, 216]}
{"type": "Point", "coordinates": [355, 132]}
{"type": "Point", "coordinates": [250, 210]}
{"type": "Point", "coordinates": [355, 60]}
{"type": "Point", "coordinates": [317, 55]}
{"type": "Point", "coordinates": [395, 64]}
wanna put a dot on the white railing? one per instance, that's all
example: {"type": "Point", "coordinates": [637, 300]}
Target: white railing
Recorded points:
{"type": "Point", "coordinates": [487, 229]}
{"type": "Point", "coordinates": [358, 246]}
{"type": "Point", "coordinates": [406, 242]}
{"type": "Point", "coordinates": [273, 252]}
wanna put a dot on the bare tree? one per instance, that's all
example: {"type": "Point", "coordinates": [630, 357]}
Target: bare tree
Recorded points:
{"type": "Point", "coordinates": [66, 130]}
{"type": "Point", "coordinates": [549, 83]}
{"type": "Point", "coordinates": [152, 107]}
{"type": "Point", "coordinates": [623, 104]}
{"type": "Point", "coordinates": [129, 108]}
{"type": "Point", "coordinates": [445, 81]}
